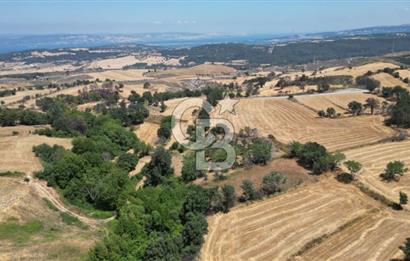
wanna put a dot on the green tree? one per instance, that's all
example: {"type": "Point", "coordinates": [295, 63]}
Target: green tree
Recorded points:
{"type": "Point", "coordinates": [248, 189]}
{"type": "Point", "coordinates": [331, 112]}
{"type": "Point", "coordinates": [355, 108]}
{"type": "Point", "coordinates": [373, 104]}
{"type": "Point", "coordinates": [159, 168]}
{"type": "Point", "coordinates": [193, 232]}
{"type": "Point", "coordinates": [229, 197]}
{"type": "Point", "coordinates": [393, 170]}
{"type": "Point", "coordinates": [127, 161]}
{"type": "Point", "coordinates": [272, 183]}
{"type": "Point", "coordinates": [260, 151]}
{"type": "Point", "coordinates": [165, 129]}
{"type": "Point", "coordinates": [189, 170]}
{"type": "Point", "coordinates": [403, 198]}
{"type": "Point", "coordinates": [353, 166]}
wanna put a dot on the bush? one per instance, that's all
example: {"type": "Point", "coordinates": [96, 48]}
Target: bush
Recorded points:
{"type": "Point", "coordinates": [345, 177]}
{"type": "Point", "coordinates": [249, 192]}
{"type": "Point", "coordinates": [260, 151]}
{"type": "Point", "coordinates": [272, 183]}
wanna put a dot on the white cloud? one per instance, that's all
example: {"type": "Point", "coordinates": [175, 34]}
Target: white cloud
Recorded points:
{"type": "Point", "coordinates": [156, 22]}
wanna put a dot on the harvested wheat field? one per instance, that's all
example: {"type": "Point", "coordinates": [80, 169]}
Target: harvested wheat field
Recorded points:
{"type": "Point", "coordinates": [139, 88]}
{"type": "Point", "coordinates": [52, 239]}
{"type": "Point", "coordinates": [374, 160]}
{"type": "Point", "coordinates": [357, 70]}
{"type": "Point", "coordinates": [281, 227]}
{"type": "Point", "coordinates": [386, 80]}
{"type": "Point", "coordinates": [338, 101]}
{"type": "Point", "coordinates": [113, 63]}
{"type": "Point", "coordinates": [404, 73]}
{"type": "Point", "coordinates": [203, 69]}
{"type": "Point", "coordinates": [16, 151]}
{"type": "Point", "coordinates": [362, 239]}
{"type": "Point", "coordinates": [119, 75]}
{"type": "Point", "coordinates": [294, 173]}
{"type": "Point", "coordinates": [270, 90]}
{"type": "Point", "coordinates": [288, 121]}
{"type": "Point", "coordinates": [147, 132]}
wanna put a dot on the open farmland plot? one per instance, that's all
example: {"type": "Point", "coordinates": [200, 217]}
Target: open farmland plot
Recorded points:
{"type": "Point", "coordinates": [16, 151]}
{"type": "Point", "coordinates": [386, 80]}
{"type": "Point", "coordinates": [362, 240]}
{"type": "Point", "coordinates": [147, 132]}
{"type": "Point", "coordinates": [119, 75]}
{"type": "Point", "coordinates": [374, 160]}
{"type": "Point", "coordinates": [338, 101]}
{"type": "Point", "coordinates": [357, 70]}
{"type": "Point", "coordinates": [281, 227]}
{"type": "Point", "coordinates": [289, 121]}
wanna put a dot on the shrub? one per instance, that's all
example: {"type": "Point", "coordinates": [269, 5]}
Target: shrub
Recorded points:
{"type": "Point", "coordinates": [272, 183]}
{"type": "Point", "coordinates": [393, 170]}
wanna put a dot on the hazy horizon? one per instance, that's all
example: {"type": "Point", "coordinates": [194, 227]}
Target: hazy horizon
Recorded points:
{"type": "Point", "coordinates": [41, 17]}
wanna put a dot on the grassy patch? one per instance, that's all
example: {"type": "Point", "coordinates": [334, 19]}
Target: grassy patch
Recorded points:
{"type": "Point", "coordinates": [71, 220]}
{"type": "Point", "coordinates": [64, 252]}
{"type": "Point", "coordinates": [11, 174]}
{"type": "Point", "coordinates": [20, 233]}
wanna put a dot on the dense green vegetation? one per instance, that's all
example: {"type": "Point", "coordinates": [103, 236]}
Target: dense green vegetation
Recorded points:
{"type": "Point", "coordinates": [13, 117]}
{"type": "Point", "coordinates": [323, 82]}
{"type": "Point", "coordinates": [4, 93]}
{"type": "Point", "coordinates": [315, 156]}
{"type": "Point", "coordinates": [399, 113]}
{"type": "Point", "coordinates": [294, 53]}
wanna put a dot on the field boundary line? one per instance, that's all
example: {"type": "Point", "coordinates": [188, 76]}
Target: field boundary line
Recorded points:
{"type": "Point", "coordinates": [318, 240]}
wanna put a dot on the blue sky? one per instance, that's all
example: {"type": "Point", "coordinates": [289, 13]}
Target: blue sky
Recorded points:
{"type": "Point", "coordinates": [201, 16]}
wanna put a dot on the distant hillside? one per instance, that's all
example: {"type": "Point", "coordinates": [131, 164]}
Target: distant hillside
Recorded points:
{"type": "Point", "coordinates": [297, 52]}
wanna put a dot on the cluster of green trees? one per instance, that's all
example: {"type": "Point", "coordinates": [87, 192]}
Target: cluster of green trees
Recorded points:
{"type": "Point", "coordinates": [132, 114]}
{"type": "Point", "coordinates": [86, 175]}
{"type": "Point", "coordinates": [7, 92]}
{"type": "Point", "coordinates": [323, 82]}
{"type": "Point", "coordinates": [393, 92]}
{"type": "Point", "coordinates": [329, 113]}
{"type": "Point", "coordinates": [13, 117]}
{"type": "Point", "coordinates": [367, 82]}
{"type": "Point", "coordinates": [165, 220]}
{"type": "Point", "coordinates": [315, 156]}
{"type": "Point", "coordinates": [354, 168]}
{"type": "Point", "coordinates": [400, 111]}
{"type": "Point", "coordinates": [271, 184]}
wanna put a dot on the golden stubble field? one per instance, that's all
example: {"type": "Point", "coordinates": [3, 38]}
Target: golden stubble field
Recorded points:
{"type": "Point", "coordinates": [338, 101]}
{"type": "Point", "coordinates": [16, 150]}
{"type": "Point", "coordinates": [374, 160]}
{"type": "Point", "coordinates": [283, 227]}
{"type": "Point", "coordinates": [289, 121]}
